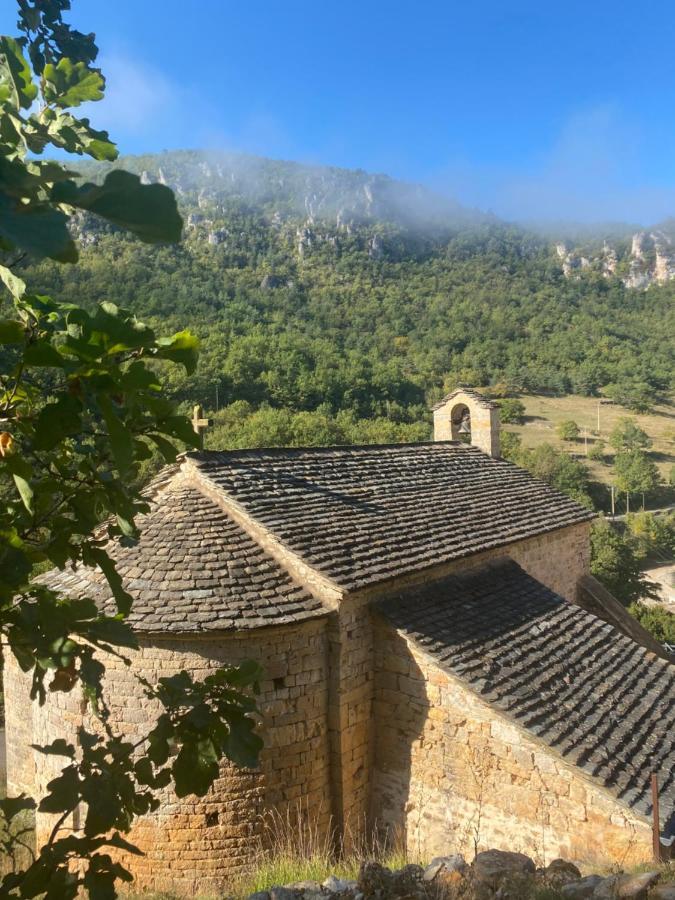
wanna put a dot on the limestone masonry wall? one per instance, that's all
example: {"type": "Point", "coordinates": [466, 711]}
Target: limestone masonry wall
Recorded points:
{"type": "Point", "coordinates": [453, 774]}
{"type": "Point", "coordinates": [18, 726]}
{"type": "Point", "coordinates": [194, 844]}
{"type": "Point", "coordinates": [557, 559]}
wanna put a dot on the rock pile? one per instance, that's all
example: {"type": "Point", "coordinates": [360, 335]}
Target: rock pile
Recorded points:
{"type": "Point", "coordinates": [493, 875]}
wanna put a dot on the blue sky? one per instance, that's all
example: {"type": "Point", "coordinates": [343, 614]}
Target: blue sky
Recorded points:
{"type": "Point", "coordinates": [532, 109]}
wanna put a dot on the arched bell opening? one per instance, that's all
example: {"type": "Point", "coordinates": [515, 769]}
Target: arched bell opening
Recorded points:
{"type": "Point", "coordinates": [460, 421]}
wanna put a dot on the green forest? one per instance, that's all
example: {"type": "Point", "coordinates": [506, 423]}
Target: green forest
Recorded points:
{"type": "Point", "coordinates": [335, 306]}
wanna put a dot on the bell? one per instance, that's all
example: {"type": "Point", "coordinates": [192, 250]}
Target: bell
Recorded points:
{"type": "Point", "coordinates": [465, 426]}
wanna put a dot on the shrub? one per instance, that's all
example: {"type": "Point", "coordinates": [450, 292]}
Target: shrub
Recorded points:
{"type": "Point", "coordinates": [510, 442]}
{"type": "Point", "coordinates": [597, 451]}
{"type": "Point", "coordinates": [512, 411]}
{"type": "Point", "coordinates": [652, 535]}
{"type": "Point", "coordinates": [567, 430]}
{"type": "Point", "coordinates": [659, 622]}
{"type": "Point", "coordinates": [627, 435]}
{"type": "Point", "coordinates": [615, 563]}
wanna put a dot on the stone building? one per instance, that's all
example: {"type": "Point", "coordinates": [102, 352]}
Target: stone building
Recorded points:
{"type": "Point", "coordinates": [439, 664]}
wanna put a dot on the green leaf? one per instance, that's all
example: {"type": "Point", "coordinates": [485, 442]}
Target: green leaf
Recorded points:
{"type": "Point", "coordinates": [43, 353]}
{"type": "Point", "coordinates": [12, 282]}
{"type": "Point", "coordinates": [166, 448]}
{"type": "Point", "coordinates": [11, 332]}
{"type": "Point", "coordinates": [97, 556]}
{"type": "Point", "coordinates": [76, 135]}
{"type": "Point", "coordinates": [147, 210]}
{"type": "Point", "coordinates": [182, 347]}
{"type": "Point", "coordinates": [25, 491]}
{"type": "Point", "coordinates": [181, 428]}
{"type": "Point", "coordinates": [57, 421]}
{"type": "Point", "coordinates": [121, 439]}
{"type": "Point", "coordinates": [70, 84]}
{"type": "Point", "coordinates": [139, 377]}
{"type": "Point", "coordinates": [195, 768]}
{"type": "Point", "coordinates": [38, 228]}
{"type": "Point", "coordinates": [15, 72]}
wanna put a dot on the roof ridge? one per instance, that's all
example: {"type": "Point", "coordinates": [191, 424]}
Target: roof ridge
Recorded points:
{"type": "Point", "coordinates": [198, 455]}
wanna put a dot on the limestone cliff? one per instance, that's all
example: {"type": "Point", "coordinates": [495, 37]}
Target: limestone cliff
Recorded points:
{"type": "Point", "coordinates": [647, 258]}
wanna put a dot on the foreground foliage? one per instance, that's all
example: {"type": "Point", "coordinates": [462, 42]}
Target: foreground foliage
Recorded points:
{"type": "Point", "coordinates": [81, 408]}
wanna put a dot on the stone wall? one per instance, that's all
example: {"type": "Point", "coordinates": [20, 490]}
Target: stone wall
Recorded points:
{"type": "Point", "coordinates": [195, 844]}
{"type": "Point", "coordinates": [557, 559]}
{"type": "Point", "coordinates": [352, 661]}
{"type": "Point", "coordinates": [484, 420]}
{"type": "Point", "coordinates": [453, 774]}
{"type": "Point", "coordinates": [20, 765]}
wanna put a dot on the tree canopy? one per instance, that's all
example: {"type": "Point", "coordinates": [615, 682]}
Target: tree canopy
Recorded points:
{"type": "Point", "coordinates": [81, 409]}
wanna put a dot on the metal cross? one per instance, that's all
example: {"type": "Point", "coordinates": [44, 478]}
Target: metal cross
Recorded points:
{"type": "Point", "coordinates": [200, 424]}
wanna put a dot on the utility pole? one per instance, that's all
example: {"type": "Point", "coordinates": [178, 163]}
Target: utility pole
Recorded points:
{"type": "Point", "coordinates": [656, 820]}
{"type": "Point", "coordinates": [612, 489]}
{"type": "Point", "coordinates": [586, 441]}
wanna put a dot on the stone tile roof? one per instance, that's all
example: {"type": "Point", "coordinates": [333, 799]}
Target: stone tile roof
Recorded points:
{"type": "Point", "coordinates": [361, 515]}
{"type": "Point", "coordinates": [194, 569]}
{"type": "Point", "coordinates": [572, 680]}
{"type": "Point", "coordinates": [467, 392]}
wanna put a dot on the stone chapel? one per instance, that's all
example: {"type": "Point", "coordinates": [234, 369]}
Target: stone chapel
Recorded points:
{"type": "Point", "coordinates": [439, 663]}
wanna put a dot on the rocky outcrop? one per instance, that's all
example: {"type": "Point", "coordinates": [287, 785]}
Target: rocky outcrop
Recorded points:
{"type": "Point", "coordinates": [304, 238]}
{"type": "Point", "coordinates": [493, 874]}
{"type": "Point", "coordinates": [217, 237]}
{"type": "Point", "coordinates": [376, 247]}
{"type": "Point", "coordinates": [650, 259]}
{"type": "Point", "coordinates": [609, 260]}
{"type": "Point", "coordinates": [571, 261]}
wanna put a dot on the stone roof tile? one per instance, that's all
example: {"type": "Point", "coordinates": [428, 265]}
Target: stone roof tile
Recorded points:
{"type": "Point", "coordinates": [360, 515]}
{"type": "Point", "coordinates": [602, 701]}
{"type": "Point", "coordinates": [214, 577]}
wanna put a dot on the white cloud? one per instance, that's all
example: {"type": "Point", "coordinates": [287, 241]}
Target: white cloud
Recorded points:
{"type": "Point", "coordinates": [141, 104]}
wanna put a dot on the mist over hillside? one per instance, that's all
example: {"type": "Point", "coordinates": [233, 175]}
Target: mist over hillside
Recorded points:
{"type": "Point", "coordinates": [326, 292]}
{"type": "Point", "coordinates": [283, 189]}
{"type": "Point", "coordinates": [212, 186]}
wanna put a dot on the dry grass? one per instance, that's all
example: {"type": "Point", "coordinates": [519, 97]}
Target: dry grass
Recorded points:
{"type": "Point", "coordinates": [545, 413]}
{"type": "Point", "coordinates": [293, 847]}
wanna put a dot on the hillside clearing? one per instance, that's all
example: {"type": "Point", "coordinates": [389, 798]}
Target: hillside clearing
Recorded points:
{"type": "Point", "coordinates": [544, 413]}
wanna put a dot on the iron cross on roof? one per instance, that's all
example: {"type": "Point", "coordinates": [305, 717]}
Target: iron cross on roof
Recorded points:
{"type": "Point", "coordinates": [200, 424]}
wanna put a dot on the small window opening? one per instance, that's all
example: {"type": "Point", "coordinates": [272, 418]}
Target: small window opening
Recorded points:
{"type": "Point", "coordinates": [212, 818]}
{"type": "Point", "coordinates": [279, 683]}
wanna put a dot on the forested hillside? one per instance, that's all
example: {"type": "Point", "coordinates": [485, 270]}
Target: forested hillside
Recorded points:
{"type": "Point", "coordinates": [329, 291]}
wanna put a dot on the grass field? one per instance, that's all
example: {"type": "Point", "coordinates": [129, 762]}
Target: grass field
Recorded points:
{"type": "Point", "coordinates": [543, 414]}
